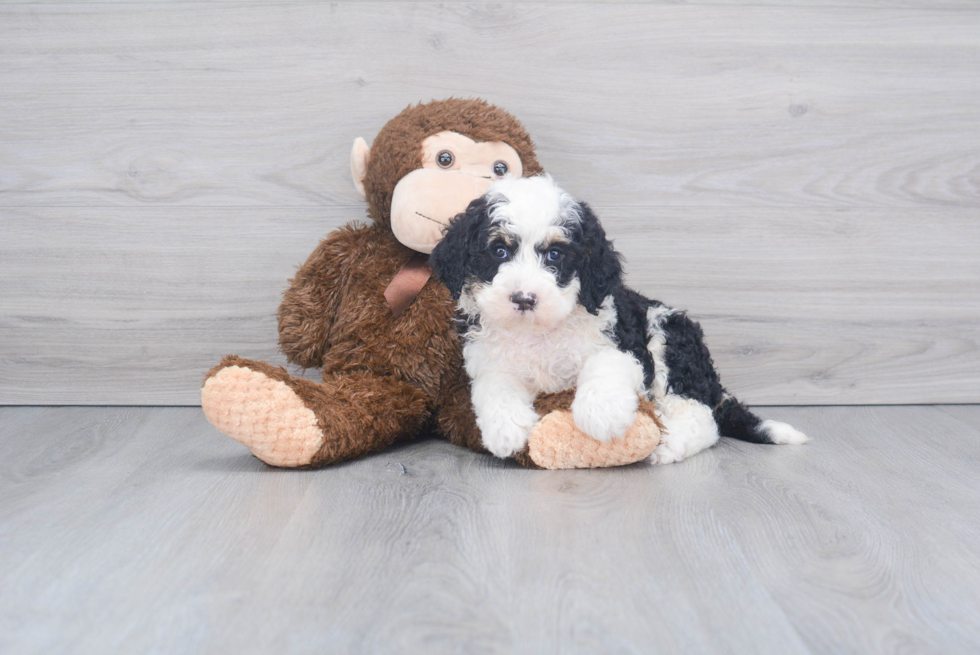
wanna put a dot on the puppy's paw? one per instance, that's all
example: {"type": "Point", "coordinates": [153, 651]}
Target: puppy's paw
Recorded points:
{"type": "Point", "coordinates": [506, 440]}
{"type": "Point", "coordinates": [604, 414]}
{"type": "Point", "coordinates": [690, 428]}
{"type": "Point", "coordinates": [506, 433]}
{"type": "Point", "coordinates": [667, 453]}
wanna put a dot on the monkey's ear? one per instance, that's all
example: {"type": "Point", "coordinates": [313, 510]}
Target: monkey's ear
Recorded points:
{"type": "Point", "coordinates": [453, 259]}
{"type": "Point", "coordinates": [602, 271]}
{"type": "Point", "coordinates": [360, 154]}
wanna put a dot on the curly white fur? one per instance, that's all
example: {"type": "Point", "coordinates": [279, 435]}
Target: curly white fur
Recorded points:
{"type": "Point", "coordinates": [606, 399]}
{"type": "Point", "coordinates": [783, 433]}
{"type": "Point", "coordinates": [509, 368]}
{"type": "Point", "coordinates": [690, 428]}
{"type": "Point", "coordinates": [504, 412]}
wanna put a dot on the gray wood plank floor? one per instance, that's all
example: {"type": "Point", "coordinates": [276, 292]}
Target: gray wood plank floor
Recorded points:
{"type": "Point", "coordinates": [143, 530]}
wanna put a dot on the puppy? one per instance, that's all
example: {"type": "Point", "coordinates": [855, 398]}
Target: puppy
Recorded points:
{"type": "Point", "coordinates": [542, 308]}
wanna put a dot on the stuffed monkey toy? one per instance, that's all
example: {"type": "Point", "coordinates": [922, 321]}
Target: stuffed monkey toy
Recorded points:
{"type": "Point", "coordinates": [365, 310]}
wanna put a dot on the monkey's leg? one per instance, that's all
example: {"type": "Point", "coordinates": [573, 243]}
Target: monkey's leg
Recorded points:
{"type": "Point", "coordinates": [557, 443]}
{"type": "Point", "coordinates": [297, 423]}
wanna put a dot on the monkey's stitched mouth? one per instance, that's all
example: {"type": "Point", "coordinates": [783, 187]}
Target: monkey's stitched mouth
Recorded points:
{"type": "Point", "coordinates": [432, 219]}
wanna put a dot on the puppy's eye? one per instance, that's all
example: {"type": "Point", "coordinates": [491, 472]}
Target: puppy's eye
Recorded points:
{"type": "Point", "coordinates": [500, 252]}
{"type": "Point", "coordinates": [445, 159]}
{"type": "Point", "coordinates": [553, 255]}
{"type": "Point", "coordinates": [500, 168]}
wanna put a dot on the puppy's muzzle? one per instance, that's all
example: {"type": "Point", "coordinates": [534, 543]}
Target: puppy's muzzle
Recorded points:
{"type": "Point", "coordinates": [525, 302]}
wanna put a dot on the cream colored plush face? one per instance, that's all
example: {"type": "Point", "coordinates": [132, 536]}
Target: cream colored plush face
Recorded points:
{"type": "Point", "coordinates": [426, 199]}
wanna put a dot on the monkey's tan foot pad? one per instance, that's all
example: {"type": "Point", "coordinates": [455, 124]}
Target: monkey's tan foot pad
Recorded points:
{"type": "Point", "coordinates": [555, 443]}
{"type": "Point", "coordinates": [264, 414]}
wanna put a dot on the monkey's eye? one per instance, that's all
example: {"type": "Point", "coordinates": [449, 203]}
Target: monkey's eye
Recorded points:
{"type": "Point", "coordinates": [500, 168]}
{"type": "Point", "coordinates": [554, 255]}
{"type": "Point", "coordinates": [500, 251]}
{"type": "Point", "coordinates": [445, 159]}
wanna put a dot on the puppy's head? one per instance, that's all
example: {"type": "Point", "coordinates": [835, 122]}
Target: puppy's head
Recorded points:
{"type": "Point", "coordinates": [525, 255]}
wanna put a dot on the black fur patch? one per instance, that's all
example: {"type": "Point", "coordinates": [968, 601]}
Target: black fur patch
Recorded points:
{"type": "Point", "coordinates": [566, 269]}
{"type": "Point", "coordinates": [462, 254]}
{"type": "Point", "coordinates": [736, 421]}
{"type": "Point", "coordinates": [631, 328]}
{"type": "Point", "coordinates": [692, 372]}
{"type": "Point", "coordinates": [600, 268]}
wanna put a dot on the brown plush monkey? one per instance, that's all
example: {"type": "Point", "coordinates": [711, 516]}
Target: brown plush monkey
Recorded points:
{"type": "Point", "coordinates": [363, 309]}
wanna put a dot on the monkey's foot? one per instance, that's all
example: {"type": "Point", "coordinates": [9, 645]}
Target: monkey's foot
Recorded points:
{"type": "Point", "coordinates": [556, 443]}
{"type": "Point", "coordinates": [252, 403]}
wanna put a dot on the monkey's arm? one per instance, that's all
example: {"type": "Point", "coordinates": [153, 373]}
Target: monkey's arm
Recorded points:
{"type": "Point", "coordinates": [310, 304]}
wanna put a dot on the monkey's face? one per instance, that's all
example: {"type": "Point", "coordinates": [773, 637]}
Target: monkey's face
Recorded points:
{"type": "Point", "coordinates": [455, 171]}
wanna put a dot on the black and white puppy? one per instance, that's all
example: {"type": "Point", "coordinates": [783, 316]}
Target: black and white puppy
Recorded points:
{"type": "Point", "coordinates": [542, 308]}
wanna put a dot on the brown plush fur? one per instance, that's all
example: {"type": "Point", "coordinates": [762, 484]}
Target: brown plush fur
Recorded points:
{"type": "Point", "coordinates": [359, 412]}
{"type": "Point", "coordinates": [384, 378]}
{"type": "Point", "coordinates": [334, 314]}
{"type": "Point", "coordinates": [410, 360]}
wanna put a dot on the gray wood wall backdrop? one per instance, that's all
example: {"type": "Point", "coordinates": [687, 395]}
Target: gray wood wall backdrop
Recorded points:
{"type": "Point", "coordinates": [804, 177]}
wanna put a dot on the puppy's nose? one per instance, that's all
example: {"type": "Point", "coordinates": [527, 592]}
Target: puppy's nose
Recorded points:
{"type": "Point", "coordinates": [524, 301]}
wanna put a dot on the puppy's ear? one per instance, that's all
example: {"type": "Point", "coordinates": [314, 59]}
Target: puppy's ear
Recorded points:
{"type": "Point", "coordinates": [601, 271]}
{"type": "Point", "coordinates": [453, 257]}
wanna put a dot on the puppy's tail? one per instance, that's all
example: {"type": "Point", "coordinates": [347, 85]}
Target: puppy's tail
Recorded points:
{"type": "Point", "coordinates": [736, 421]}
